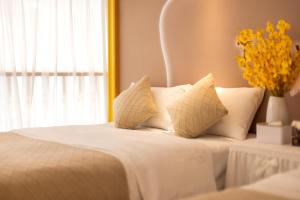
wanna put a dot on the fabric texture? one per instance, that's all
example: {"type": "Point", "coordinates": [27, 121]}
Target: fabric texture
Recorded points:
{"type": "Point", "coordinates": [155, 163]}
{"type": "Point", "coordinates": [250, 161]}
{"type": "Point", "coordinates": [237, 194]}
{"type": "Point", "coordinates": [163, 97]}
{"type": "Point", "coordinates": [53, 63]}
{"type": "Point", "coordinates": [242, 105]}
{"type": "Point", "coordinates": [35, 169]}
{"type": "Point", "coordinates": [196, 110]}
{"type": "Point", "coordinates": [135, 105]}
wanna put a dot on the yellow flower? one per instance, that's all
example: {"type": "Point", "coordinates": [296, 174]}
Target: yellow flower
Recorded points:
{"type": "Point", "coordinates": [245, 36]}
{"type": "Point", "coordinates": [241, 61]}
{"type": "Point", "coordinates": [267, 59]}
{"type": "Point", "coordinates": [282, 26]}
{"type": "Point", "coordinates": [269, 27]}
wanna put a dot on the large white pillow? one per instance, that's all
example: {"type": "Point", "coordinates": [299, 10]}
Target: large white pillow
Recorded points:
{"type": "Point", "coordinates": [242, 105]}
{"type": "Point", "coordinates": [163, 96]}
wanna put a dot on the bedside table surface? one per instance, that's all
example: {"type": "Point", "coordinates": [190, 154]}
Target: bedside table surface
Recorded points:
{"type": "Point", "coordinates": [250, 161]}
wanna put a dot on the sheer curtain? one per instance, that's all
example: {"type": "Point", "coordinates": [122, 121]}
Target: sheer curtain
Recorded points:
{"type": "Point", "coordinates": [52, 62]}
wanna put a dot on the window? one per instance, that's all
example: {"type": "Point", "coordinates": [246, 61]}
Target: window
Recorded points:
{"type": "Point", "coordinates": [53, 62]}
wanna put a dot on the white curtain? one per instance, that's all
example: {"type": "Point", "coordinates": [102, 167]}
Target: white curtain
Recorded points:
{"type": "Point", "coordinates": [52, 62]}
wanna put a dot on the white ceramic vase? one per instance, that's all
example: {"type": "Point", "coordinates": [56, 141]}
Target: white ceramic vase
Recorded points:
{"type": "Point", "coordinates": [277, 110]}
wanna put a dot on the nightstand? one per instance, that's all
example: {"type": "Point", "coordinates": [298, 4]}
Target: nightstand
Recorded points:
{"type": "Point", "coordinates": [250, 161]}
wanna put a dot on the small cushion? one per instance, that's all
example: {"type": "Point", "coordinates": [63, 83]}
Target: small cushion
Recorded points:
{"type": "Point", "coordinates": [163, 97]}
{"type": "Point", "coordinates": [135, 105]}
{"type": "Point", "coordinates": [242, 104]}
{"type": "Point", "coordinates": [197, 109]}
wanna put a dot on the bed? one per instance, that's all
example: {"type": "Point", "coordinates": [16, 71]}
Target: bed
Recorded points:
{"type": "Point", "coordinates": [103, 162]}
{"type": "Point", "coordinates": [154, 164]}
{"type": "Point", "coordinates": [283, 186]}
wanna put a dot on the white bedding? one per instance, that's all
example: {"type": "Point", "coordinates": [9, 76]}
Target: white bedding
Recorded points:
{"type": "Point", "coordinates": [284, 185]}
{"type": "Point", "coordinates": [219, 148]}
{"type": "Point", "coordinates": [158, 165]}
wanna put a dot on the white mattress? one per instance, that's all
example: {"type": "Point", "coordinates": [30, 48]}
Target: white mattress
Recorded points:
{"type": "Point", "coordinates": [156, 163]}
{"type": "Point", "coordinates": [284, 185]}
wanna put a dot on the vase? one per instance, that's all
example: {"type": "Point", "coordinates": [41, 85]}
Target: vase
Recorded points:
{"type": "Point", "coordinates": [277, 110]}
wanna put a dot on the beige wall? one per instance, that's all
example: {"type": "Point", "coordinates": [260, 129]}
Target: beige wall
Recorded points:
{"type": "Point", "coordinates": [204, 45]}
{"type": "Point", "coordinates": [140, 52]}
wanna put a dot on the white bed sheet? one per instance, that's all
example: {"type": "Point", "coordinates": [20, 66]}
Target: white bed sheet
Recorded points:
{"type": "Point", "coordinates": [158, 165]}
{"type": "Point", "coordinates": [219, 148]}
{"type": "Point", "coordinates": [284, 185]}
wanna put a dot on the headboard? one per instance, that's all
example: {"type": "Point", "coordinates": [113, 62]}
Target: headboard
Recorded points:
{"type": "Point", "coordinates": [198, 37]}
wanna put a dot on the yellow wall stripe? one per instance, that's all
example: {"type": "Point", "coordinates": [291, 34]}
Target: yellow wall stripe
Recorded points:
{"type": "Point", "coordinates": [113, 85]}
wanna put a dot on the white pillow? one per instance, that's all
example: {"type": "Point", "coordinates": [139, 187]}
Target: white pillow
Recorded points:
{"type": "Point", "coordinates": [163, 97]}
{"type": "Point", "coordinates": [242, 104]}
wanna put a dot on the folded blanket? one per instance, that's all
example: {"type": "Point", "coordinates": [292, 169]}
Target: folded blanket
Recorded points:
{"type": "Point", "coordinates": [237, 194]}
{"type": "Point", "coordinates": [40, 170]}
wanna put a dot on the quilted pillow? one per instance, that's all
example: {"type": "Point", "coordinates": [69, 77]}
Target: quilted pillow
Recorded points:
{"type": "Point", "coordinates": [163, 96]}
{"type": "Point", "coordinates": [135, 105]}
{"type": "Point", "coordinates": [197, 109]}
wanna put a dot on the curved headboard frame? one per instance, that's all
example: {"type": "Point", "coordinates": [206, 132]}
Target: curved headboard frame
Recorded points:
{"type": "Point", "coordinates": [164, 49]}
{"type": "Point", "coordinates": [197, 37]}
{"type": "Point", "coordinates": [188, 48]}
